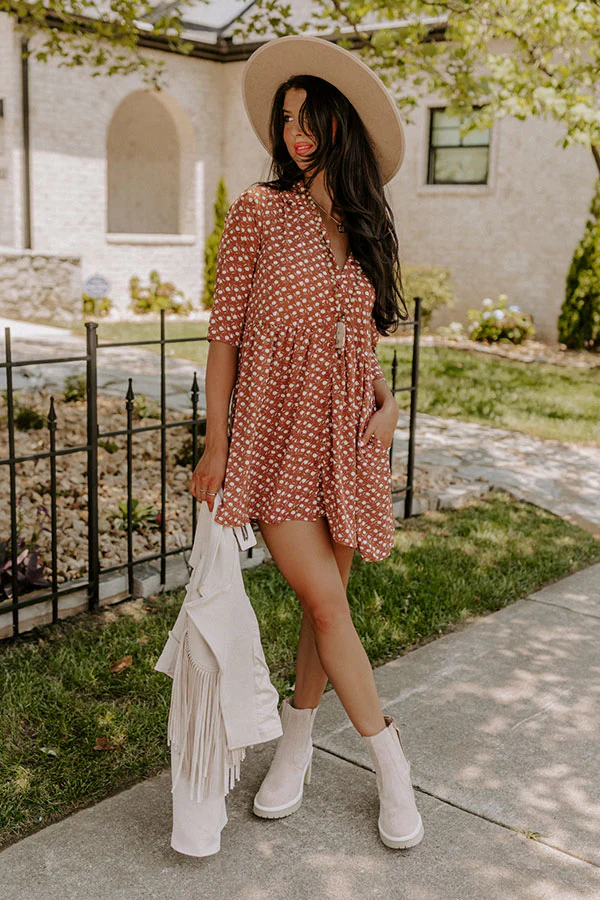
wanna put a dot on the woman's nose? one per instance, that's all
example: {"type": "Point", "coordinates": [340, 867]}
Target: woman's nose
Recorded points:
{"type": "Point", "coordinates": [300, 135]}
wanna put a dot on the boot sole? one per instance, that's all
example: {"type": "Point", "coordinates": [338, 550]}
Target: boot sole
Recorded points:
{"type": "Point", "coordinates": [278, 812]}
{"type": "Point", "coordinates": [402, 842]}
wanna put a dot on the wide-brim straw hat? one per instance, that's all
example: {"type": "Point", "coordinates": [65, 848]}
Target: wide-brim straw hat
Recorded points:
{"type": "Point", "coordinates": [280, 58]}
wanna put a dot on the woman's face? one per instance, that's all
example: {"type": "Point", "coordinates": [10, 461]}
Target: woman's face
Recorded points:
{"type": "Point", "coordinates": [298, 143]}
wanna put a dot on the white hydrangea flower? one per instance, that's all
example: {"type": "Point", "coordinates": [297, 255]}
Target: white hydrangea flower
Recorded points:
{"type": "Point", "coordinates": [487, 303]}
{"type": "Point", "coordinates": [486, 314]}
{"type": "Point", "coordinates": [515, 308]}
{"type": "Point", "coordinates": [498, 314]}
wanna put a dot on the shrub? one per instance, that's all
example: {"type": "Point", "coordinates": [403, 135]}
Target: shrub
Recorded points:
{"type": "Point", "coordinates": [27, 418]}
{"type": "Point", "coordinates": [109, 446]}
{"type": "Point", "coordinates": [146, 409]}
{"type": "Point", "coordinates": [156, 296]}
{"type": "Point", "coordinates": [212, 245]}
{"type": "Point", "coordinates": [500, 322]}
{"type": "Point", "coordinates": [30, 569]}
{"type": "Point", "coordinates": [93, 306]}
{"type": "Point", "coordinates": [579, 318]}
{"type": "Point", "coordinates": [433, 284]}
{"type": "Point", "coordinates": [454, 330]}
{"type": "Point", "coordinates": [75, 388]}
{"type": "Point", "coordinates": [142, 516]}
{"type": "Point", "coordinates": [183, 456]}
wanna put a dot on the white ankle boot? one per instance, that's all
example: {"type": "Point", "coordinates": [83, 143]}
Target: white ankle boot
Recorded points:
{"type": "Point", "coordinates": [399, 822]}
{"type": "Point", "coordinates": [280, 793]}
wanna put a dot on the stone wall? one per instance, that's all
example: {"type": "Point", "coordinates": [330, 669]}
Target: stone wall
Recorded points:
{"type": "Point", "coordinates": [40, 286]}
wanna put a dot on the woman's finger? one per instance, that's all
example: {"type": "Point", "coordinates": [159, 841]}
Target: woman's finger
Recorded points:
{"type": "Point", "coordinates": [365, 436]}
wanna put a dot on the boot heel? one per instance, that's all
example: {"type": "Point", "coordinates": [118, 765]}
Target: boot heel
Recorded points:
{"type": "Point", "coordinates": [307, 774]}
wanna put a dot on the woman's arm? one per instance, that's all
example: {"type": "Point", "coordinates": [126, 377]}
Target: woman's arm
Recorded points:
{"type": "Point", "coordinates": [237, 256]}
{"type": "Point", "coordinates": [383, 422]}
{"type": "Point", "coordinates": [221, 370]}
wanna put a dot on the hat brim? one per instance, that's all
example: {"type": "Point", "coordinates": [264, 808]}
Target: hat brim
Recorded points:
{"type": "Point", "coordinates": [280, 58]}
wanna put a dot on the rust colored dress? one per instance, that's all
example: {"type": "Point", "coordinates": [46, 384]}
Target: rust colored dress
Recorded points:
{"type": "Point", "coordinates": [299, 405]}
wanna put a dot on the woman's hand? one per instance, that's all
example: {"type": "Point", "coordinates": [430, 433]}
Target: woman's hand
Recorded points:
{"type": "Point", "coordinates": [382, 423]}
{"type": "Point", "coordinates": [209, 473]}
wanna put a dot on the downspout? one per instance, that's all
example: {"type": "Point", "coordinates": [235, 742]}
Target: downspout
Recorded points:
{"type": "Point", "coordinates": [26, 150]}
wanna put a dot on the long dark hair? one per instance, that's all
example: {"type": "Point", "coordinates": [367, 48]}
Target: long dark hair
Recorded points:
{"type": "Point", "coordinates": [352, 177]}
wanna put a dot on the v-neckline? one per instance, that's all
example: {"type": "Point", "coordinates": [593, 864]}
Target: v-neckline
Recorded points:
{"type": "Point", "coordinates": [316, 214]}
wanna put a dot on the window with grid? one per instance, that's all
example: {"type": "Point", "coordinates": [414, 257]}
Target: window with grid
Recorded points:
{"type": "Point", "coordinates": [454, 159]}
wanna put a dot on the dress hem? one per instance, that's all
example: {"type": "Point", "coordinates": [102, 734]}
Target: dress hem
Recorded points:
{"type": "Point", "coordinates": [254, 518]}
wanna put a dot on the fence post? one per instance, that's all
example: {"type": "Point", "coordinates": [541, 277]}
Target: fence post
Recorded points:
{"type": "Point", "coordinates": [92, 464]}
{"type": "Point", "coordinates": [51, 422]}
{"type": "Point", "coordinates": [13, 483]}
{"type": "Point", "coordinates": [414, 380]}
{"type": "Point", "coordinates": [163, 454]}
{"type": "Point", "coordinates": [129, 399]}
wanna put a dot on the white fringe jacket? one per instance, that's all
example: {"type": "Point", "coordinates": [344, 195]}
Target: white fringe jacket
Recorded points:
{"type": "Point", "coordinates": [222, 698]}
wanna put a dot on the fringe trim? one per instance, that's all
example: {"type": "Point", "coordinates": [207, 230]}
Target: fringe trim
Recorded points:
{"type": "Point", "coordinates": [196, 730]}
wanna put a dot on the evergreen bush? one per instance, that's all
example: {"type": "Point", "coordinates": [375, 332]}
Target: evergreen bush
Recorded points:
{"type": "Point", "coordinates": [579, 319]}
{"type": "Point", "coordinates": [212, 244]}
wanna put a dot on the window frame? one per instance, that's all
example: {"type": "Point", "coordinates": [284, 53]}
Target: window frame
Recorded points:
{"type": "Point", "coordinates": [429, 182]}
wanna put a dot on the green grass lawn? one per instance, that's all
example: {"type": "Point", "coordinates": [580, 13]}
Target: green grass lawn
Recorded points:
{"type": "Point", "coordinates": [150, 331]}
{"type": "Point", "coordinates": [59, 696]}
{"type": "Point", "coordinates": [539, 399]}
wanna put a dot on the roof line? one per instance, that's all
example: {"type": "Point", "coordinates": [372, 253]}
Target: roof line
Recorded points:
{"type": "Point", "coordinates": [161, 8]}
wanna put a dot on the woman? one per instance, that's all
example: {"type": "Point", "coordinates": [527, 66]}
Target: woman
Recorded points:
{"type": "Point", "coordinates": [307, 276]}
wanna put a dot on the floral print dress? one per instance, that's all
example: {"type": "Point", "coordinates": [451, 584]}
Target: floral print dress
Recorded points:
{"type": "Point", "coordinates": [299, 405]}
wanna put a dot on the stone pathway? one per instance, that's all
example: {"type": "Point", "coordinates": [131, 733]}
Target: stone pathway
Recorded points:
{"type": "Point", "coordinates": [561, 477]}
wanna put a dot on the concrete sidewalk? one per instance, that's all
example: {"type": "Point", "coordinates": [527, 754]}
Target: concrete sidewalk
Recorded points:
{"type": "Point", "coordinates": [501, 722]}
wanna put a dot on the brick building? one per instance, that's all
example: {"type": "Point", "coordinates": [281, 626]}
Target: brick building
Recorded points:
{"type": "Point", "coordinates": [124, 178]}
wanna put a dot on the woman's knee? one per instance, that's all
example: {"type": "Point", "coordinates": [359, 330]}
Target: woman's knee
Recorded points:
{"type": "Point", "coordinates": [324, 613]}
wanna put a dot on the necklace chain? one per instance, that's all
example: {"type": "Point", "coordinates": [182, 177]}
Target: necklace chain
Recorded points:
{"type": "Point", "coordinates": [340, 225]}
{"type": "Point", "coordinates": [340, 329]}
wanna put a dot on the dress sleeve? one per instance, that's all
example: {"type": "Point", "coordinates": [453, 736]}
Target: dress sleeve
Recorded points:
{"type": "Point", "coordinates": [236, 260]}
{"type": "Point", "coordinates": [376, 370]}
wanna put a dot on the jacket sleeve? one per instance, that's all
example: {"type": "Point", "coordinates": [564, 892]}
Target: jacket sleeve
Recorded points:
{"type": "Point", "coordinates": [375, 367]}
{"type": "Point", "coordinates": [237, 255]}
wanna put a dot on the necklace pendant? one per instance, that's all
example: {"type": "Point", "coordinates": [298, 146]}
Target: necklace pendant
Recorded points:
{"type": "Point", "coordinates": [340, 334]}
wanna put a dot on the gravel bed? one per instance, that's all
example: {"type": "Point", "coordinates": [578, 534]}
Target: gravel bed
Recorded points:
{"type": "Point", "coordinates": [33, 484]}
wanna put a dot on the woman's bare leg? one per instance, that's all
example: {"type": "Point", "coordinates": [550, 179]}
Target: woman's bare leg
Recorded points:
{"type": "Point", "coordinates": [304, 554]}
{"type": "Point", "coordinates": [311, 678]}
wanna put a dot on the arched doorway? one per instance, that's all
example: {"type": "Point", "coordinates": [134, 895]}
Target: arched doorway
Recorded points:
{"type": "Point", "coordinates": [150, 166]}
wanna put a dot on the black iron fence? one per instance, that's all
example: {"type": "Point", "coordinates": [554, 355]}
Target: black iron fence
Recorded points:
{"type": "Point", "coordinates": [14, 587]}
